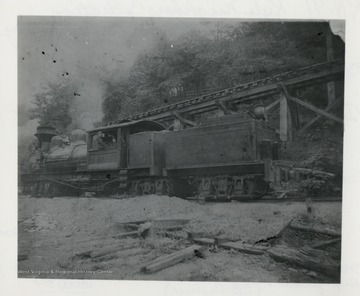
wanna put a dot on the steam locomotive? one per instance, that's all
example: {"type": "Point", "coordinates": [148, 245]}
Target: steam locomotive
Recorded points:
{"type": "Point", "coordinates": [222, 158]}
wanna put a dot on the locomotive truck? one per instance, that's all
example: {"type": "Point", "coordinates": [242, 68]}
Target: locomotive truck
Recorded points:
{"type": "Point", "coordinates": [224, 157]}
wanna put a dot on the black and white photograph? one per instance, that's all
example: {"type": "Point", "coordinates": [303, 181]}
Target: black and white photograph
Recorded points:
{"type": "Point", "coordinates": [180, 149]}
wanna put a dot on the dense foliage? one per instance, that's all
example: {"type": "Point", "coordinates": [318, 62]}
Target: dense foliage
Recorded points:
{"type": "Point", "coordinates": [53, 106]}
{"type": "Point", "coordinates": [229, 55]}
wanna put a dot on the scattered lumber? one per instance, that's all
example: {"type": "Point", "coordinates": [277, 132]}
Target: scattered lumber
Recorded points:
{"type": "Point", "coordinates": [313, 172]}
{"type": "Point", "coordinates": [325, 243]}
{"type": "Point", "coordinates": [145, 230]}
{"type": "Point", "coordinates": [105, 250]}
{"type": "Point", "coordinates": [204, 241]}
{"type": "Point", "coordinates": [315, 260]}
{"type": "Point", "coordinates": [221, 240]}
{"type": "Point", "coordinates": [245, 248]}
{"type": "Point", "coordinates": [172, 259]}
{"type": "Point", "coordinates": [172, 228]}
{"type": "Point", "coordinates": [126, 234]}
{"type": "Point", "coordinates": [316, 229]}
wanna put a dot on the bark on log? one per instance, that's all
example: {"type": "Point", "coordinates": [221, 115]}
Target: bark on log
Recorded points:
{"type": "Point", "coordinates": [172, 259]}
{"type": "Point", "coordinates": [320, 263]}
{"type": "Point", "coordinates": [204, 241]}
{"type": "Point", "coordinates": [314, 172]}
{"type": "Point", "coordinates": [245, 248]}
{"type": "Point", "coordinates": [326, 243]}
{"type": "Point", "coordinates": [316, 229]}
{"type": "Point", "coordinates": [90, 250]}
{"type": "Point", "coordinates": [126, 234]}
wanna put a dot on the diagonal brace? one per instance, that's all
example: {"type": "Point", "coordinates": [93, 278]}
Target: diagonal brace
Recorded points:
{"type": "Point", "coordinates": [183, 120]}
{"type": "Point", "coordinates": [317, 110]}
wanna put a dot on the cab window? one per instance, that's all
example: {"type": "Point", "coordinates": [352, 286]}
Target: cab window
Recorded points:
{"type": "Point", "coordinates": [104, 140]}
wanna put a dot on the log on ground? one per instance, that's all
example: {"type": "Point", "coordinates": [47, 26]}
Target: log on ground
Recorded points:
{"type": "Point", "coordinates": [316, 229]}
{"type": "Point", "coordinates": [204, 241]}
{"type": "Point", "coordinates": [323, 244]}
{"type": "Point", "coordinates": [172, 259]}
{"type": "Point", "coordinates": [126, 234]}
{"type": "Point", "coordinates": [245, 248]}
{"type": "Point", "coordinates": [316, 260]}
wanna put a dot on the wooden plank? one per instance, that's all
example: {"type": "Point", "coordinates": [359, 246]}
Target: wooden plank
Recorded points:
{"type": "Point", "coordinates": [184, 120]}
{"type": "Point", "coordinates": [318, 117]}
{"type": "Point", "coordinates": [314, 172]}
{"type": "Point", "coordinates": [172, 259]}
{"type": "Point", "coordinates": [316, 229]}
{"type": "Point", "coordinates": [126, 234]}
{"type": "Point", "coordinates": [171, 228]}
{"type": "Point", "coordinates": [326, 243]}
{"type": "Point", "coordinates": [292, 114]}
{"type": "Point", "coordinates": [223, 108]}
{"type": "Point", "coordinates": [204, 241]}
{"type": "Point", "coordinates": [284, 125]}
{"type": "Point", "coordinates": [317, 110]}
{"type": "Point", "coordinates": [330, 57]}
{"type": "Point", "coordinates": [245, 248]}
{"type": "Point", "coordinates": [320, 263]}
{"type": "Point", "coordinates": [177, 125]}
{"type": "Point", "coordinates": [272, 105]}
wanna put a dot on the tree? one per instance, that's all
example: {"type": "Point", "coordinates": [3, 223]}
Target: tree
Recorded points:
{"type": "Point", "coordinates": [52, 106]}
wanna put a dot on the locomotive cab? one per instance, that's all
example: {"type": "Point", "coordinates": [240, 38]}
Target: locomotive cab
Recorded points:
{"type": "Point", "coordinates": [109, 146]}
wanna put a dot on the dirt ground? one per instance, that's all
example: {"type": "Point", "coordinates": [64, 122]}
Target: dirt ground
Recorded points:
{"type": "Point", "coordinates": [52, 232]}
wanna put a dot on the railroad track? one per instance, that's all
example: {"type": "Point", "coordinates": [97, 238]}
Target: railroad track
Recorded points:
{"type": "Point", "coordinates": [266, 87]}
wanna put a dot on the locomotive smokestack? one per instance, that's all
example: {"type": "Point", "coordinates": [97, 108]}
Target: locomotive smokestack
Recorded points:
{"type": "Point", "coordinates": [44, 134]}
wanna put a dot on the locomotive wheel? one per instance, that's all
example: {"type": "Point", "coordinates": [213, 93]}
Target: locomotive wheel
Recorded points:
{"type": "Point", "coordinates": [249, 187]}
{"type": "Point", "coordinates": [168, 189]}
{"type": "Point", "coordinates": [50, 190]}
{"type": "Point", "coordinates": [35, 189]}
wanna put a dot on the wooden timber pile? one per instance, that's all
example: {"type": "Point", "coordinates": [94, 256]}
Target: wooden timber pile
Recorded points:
{"type": "Point", "coordinates": [316, 257]}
